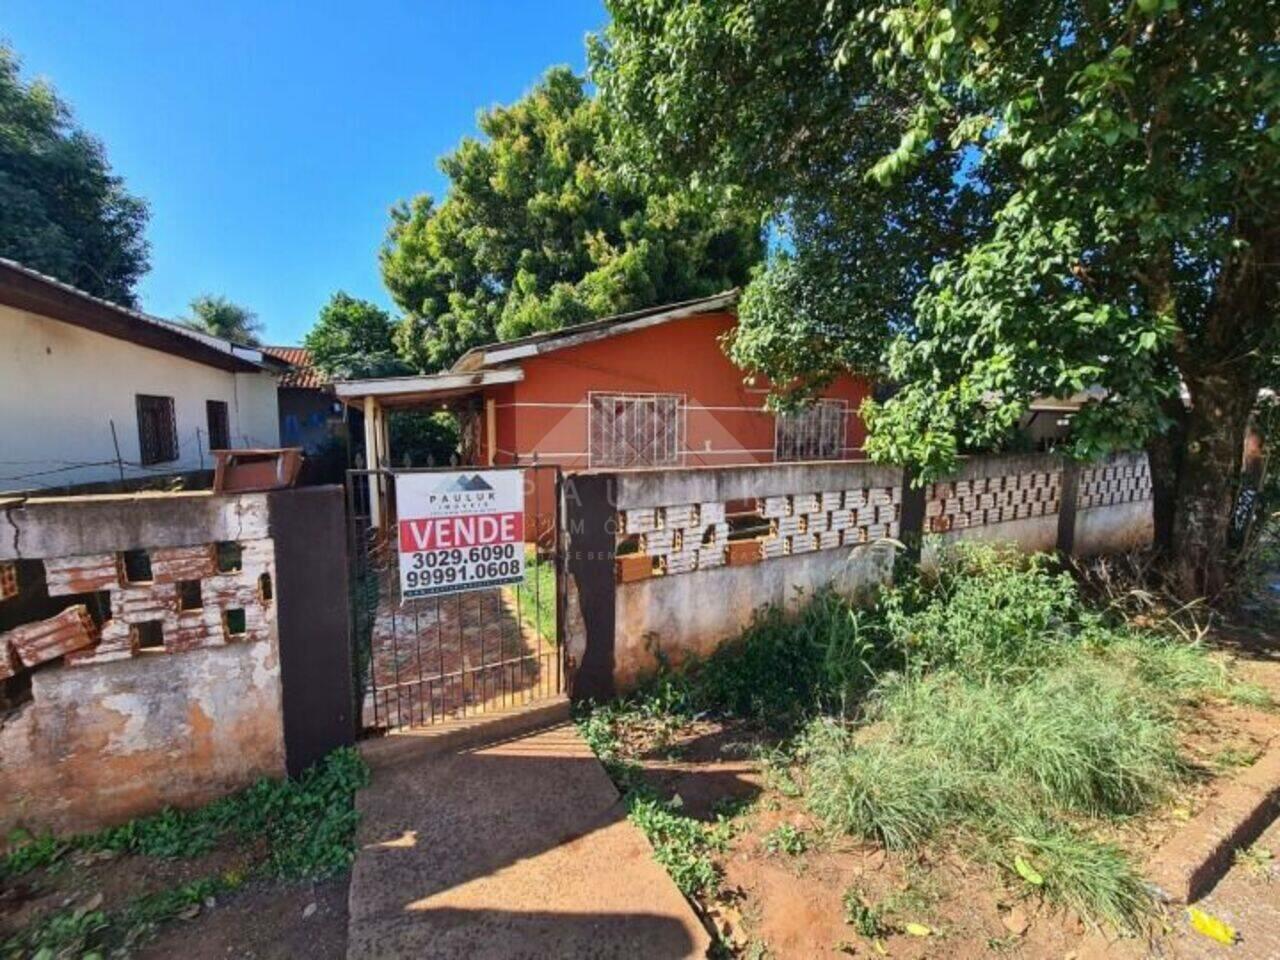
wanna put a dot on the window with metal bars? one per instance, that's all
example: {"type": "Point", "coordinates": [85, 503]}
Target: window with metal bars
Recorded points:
{"type": "Point", "coordinates": [636, 429]}
{"type": "Point", "coordinates": [219, 424]}
{"type": "Point", "coordinates": [815, 432]}
{"type": "Point", "coordinates": [157, 430]}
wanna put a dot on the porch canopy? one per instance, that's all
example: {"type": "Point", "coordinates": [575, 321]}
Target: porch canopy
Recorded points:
{"type": "Point", "coordinates": [376, 395]}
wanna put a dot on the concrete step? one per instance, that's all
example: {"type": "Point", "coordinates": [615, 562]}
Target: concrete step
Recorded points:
{"type": "Point", "coordinates": [405, 746]}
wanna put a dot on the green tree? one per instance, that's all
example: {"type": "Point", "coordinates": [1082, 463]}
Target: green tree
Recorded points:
{"type": "Point", "coordinates": [1126, 161]}
{"type": "Point", "coordinates": [62, 211]}
{"type": "Point", "coordinates": [219, 317]}
{"type": "Point", "coordinates": [354, 338]}
{"type": "Point", "coordinates": [538, 231]}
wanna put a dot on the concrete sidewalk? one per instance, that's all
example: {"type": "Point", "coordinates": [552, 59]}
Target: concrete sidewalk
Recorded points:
{"type": "Point", "coordinates": [517, 849]}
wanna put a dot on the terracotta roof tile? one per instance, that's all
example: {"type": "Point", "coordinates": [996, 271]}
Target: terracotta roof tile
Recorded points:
{"type": "Point", "coordinates": [303, 375]}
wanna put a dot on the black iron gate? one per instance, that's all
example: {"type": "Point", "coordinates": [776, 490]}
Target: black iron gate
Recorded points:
{"type": "Point", "coordinates": [427, 660]}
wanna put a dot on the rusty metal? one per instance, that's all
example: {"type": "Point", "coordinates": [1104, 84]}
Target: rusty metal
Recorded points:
{"type": "Point", "coordinates": [429, 660]}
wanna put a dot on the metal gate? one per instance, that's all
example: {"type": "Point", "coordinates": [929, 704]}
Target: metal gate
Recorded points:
{"type": "Point", "coordinates": [429, 660]}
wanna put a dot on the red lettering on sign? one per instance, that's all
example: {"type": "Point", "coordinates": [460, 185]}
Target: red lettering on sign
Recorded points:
{"type": "Point", "coordinates": [472, 530]}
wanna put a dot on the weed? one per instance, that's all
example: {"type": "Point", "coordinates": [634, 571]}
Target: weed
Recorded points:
{"type": "Point", "coordinates": [682, 844]}
{"type": "Point", "coordinates": [862, 915]}
{"type": "Point", "coordinates": [1256, 861]}
{"type": "Point", "coordinates": [1229, 757]}
{"type": "Point", "coordinates": [786, 838]}
{"type": "Point", "coordinates": [308, 825]}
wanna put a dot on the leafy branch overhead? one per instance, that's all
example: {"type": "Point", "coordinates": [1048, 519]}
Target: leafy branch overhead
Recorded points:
{"type": "Point", "coordinates": [992, 202]}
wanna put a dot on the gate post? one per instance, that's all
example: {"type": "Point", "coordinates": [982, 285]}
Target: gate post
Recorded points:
{"type": "Point", "coordinates": [590, 512]}
{"type": "Point", "coordinates": [309, 529]}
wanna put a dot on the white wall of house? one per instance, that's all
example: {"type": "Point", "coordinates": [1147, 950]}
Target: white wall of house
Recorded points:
{"type": "Point", "coordinates": [62, 387]}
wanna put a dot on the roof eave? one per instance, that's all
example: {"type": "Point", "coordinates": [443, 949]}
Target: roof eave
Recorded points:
{"type": "Point", "coordinates": [495, 354]}
{"type": "Point", "coordinates": [32, 292]}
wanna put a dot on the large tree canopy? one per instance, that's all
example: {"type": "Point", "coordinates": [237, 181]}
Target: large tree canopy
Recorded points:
{"type": "Point", "coordinates": [354, 338]}
{"type": "Point", "coordinates": [1126, 161]}
{"type": "Point", "coordinates": [62, 211]}
{"type": "Point", "coordinates": [750, 98]}
{"type": "Point", "coordinates": [218, 316]}
{"type": "Point", "coordinates": [538, 231]}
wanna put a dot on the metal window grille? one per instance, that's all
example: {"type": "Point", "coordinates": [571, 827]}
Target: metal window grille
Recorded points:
{"type": "Point", "coordinates": [816, 432]}
{"type": "Point", "coordinates": [157, 430]}
{"type": "Point", "coordinates": [219, 424]}
{"type": "Point", "coordinates": [636, 429]}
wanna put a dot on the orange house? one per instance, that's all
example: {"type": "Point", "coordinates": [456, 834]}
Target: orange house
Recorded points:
{"type": "Point", "coordinates": [652, 388]}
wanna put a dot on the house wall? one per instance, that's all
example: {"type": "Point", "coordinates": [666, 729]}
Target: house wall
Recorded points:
{"type": "Point", "coordinates": [307, 419]}
{"type": "Point", "coordinates": [62, 387]}
{"type": "Point", "coordinates": [547, 412]}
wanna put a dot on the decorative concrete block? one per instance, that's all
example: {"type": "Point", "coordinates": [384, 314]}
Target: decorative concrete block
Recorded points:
{"type": "Point", "coordinates": [685, 515]}
{"type": "Point", "coordinates": [788, 526]}
{"type": "Point", "coordinates": [828, 539]}
{"type": "Point", "coordinates": [830, 500]}
{"type": "Point", "coordinates": [741, 552]}
{"type": "Point", "coordinates": [776, 507]}
{"type": "Point", "coordinates": [639, 521]}
{"type": "Point", "coordinates": [773, 547]}
{"type": "Point", "coordinates": [711, 512]}
{"type": "Point", "coordinates": [51, 638]}
{"type": "Point", "coordinates": [853, 499]}
{"type": "Point", "coordinates": [710, 556]}
{"type": "Point", "coordinates": [8, 583]}
{"type": "Point", "coordinates": [171, 564]}
{"type": "Point", "coordinates": [9, 662]}
{"type": "Point", "coordinates": [657, 542]}
{"type": "Point", "coordinates": [65, 576]}
{"type": "Point", "coordinates": [804, 503]}
{"type": "Point", "coordinates": [139, 604]}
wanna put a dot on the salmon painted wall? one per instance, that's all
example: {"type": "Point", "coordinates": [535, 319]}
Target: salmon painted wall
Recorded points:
{"type": "Point", "coordinates": [725, 422]}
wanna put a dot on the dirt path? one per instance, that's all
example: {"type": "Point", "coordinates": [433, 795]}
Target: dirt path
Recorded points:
{"type": "Point", "coordinates": [518, 849]}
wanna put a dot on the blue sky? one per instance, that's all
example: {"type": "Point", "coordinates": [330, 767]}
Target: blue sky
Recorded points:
{"type": "Point", "coordinates": [270, 138]}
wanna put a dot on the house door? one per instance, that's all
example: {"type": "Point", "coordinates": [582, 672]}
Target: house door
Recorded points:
{"type": "Point", "coordinates": [426, 660]}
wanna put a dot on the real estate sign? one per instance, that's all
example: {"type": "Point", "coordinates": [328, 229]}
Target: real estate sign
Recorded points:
{"type": "Point", "coordinates": [462, 530]}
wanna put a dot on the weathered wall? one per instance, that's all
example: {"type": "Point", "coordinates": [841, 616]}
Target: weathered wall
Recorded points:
{"type": "Point", "coordinates": [1113, 507]}
{"type": "Point", "coordinates": [167, 689]}
{"type": "Point", "coordinates": [702, 586]}
{"type": "Point", "coordinates": [687, 586]}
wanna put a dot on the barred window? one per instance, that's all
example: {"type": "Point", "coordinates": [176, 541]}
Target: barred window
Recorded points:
{"type": "Point", "coordinates": [636, 429]}
{"type": "Point", "coordinates": [219, 424]}
{"type": "Point", "coordinates": [815, 432]}
{"type": "Point", "coordinates": [157, 430]}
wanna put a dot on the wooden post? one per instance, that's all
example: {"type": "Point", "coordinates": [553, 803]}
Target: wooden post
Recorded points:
{"type": "Point", "coordinates": [372, 461]}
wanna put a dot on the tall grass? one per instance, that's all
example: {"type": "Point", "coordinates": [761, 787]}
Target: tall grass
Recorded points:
{"type": "Point", "coordinates": [983, 701]}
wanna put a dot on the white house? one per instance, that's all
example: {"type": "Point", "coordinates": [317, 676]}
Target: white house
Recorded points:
{"type": "Point", "coordinates": [91, 391]}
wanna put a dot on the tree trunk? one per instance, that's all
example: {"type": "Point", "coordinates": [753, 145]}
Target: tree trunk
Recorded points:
{"type": "Point", "coordinates": [1164, 454]}
{"type": "Point", "coordinates": [1199, 554]}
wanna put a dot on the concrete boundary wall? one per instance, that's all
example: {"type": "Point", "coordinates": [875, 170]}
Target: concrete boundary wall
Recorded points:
{"type": "Point", "coordinates": [155, 647]}
{"type": "Point", "coordinates": [663, 564]}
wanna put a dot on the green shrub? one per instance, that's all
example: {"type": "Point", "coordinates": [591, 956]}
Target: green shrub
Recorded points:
{"type": "Point", "coordinates": [783, 668]}
{"type": "Point", "coordinates": [986, 611]}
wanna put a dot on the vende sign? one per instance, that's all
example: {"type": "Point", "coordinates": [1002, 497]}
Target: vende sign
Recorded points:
{"type": "Point", "coordinates": [462, 530]}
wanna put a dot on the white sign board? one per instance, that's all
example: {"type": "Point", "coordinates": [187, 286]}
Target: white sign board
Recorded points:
{"type": "Point", "coordinates": [462, 530]}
